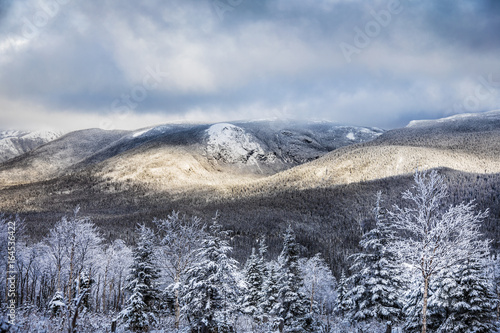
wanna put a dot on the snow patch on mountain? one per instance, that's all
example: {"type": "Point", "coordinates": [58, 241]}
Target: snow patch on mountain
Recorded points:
{"type": "Point", "coordinates": [140, 133]}
{"type": "Point", "coordinates": [350, 136]}
{"type": "Point", "coordinates": [231, 144]}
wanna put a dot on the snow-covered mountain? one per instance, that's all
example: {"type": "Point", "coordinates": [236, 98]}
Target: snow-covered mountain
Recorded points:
{"type": "Point", "coordinates": [466, 143]}
{"type": "Point", "coordinates": [261, 176]}
{"type": "Point", "coordinates": [15, 143]}
{"type": "Point", "coordinates": [473, 121]}
{"type": "Point", "coordinates": [252, 148]}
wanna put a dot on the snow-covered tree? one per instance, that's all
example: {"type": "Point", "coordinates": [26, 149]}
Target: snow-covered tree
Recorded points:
{"type": "Point", "coordinates": [57, 304]}
{"type": "Point", "coordinates": [271, 305]}
{"type": "Point", "coordinates": [211, 292]}
{"type": "Point", "coordinates": [81, 291]}
{"type": "Point", "coordinates": [179, 238]}
{"type": "Point", "coordinates": [432, 239]}
{"type": "Point", "coordinates": [294, 303]}
{"type": "Point", "coordinates": [139, 312]}
{"type": "Point", "coordinates": [495, 277]}
{"type": "Point", "coordinates": [254, 280]}
{"type": "Point", "coordinates": [377, 279]}
{"type": "Point", "coordinates": [115, 260]}
{"type": "Point", "coordinates": [412, 306]}
{"type": "Point", "coordinates": [319, 284]}
{"type": "Point", "coordinates": [343, 302]}
{"type": "Point", "coordinates": [468, 301]}
{"type": "Point", "coordinates": [71, 246]}
{"type": "Point", "coordinates": [255, 275]}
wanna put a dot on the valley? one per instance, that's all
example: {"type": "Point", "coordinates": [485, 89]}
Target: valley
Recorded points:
{"type": "Point", "coordinates": [321, 178]}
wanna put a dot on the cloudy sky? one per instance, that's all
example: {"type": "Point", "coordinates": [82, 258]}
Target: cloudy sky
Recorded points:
{"type": "Point", "coordinates": [69, 64]}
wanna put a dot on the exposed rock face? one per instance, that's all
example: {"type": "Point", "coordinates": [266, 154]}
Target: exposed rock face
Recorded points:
{"type": "Point", "coordinates": [228, 143]}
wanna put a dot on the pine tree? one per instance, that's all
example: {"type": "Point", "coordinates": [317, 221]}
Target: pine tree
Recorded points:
{"type": "Point", "coordinates": [82, 287]}
{"type": "Point", "coordinates": [255, 277]}
{"type": "Point", "coordinates": [376, 278]}
{"type": "Point", "coordinates": [496, 283]}
{"type": "Point", "coordinates": [179, 238]}
{"type": "Point", "coordinates": [294, 302]}
{"type": "Point", "coordinates": [139, 312]}
{"type": "Point", "coordinates": [211, 292]}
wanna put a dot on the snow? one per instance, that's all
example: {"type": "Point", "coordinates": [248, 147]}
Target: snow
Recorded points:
{"type": "Point", "coordinates": [44, 135]}
{"type": "Point", "coordinates": [14, 143]}
{"type": "Point", "coordinates": [490, 115]}
{"type": "Point", "coordinates": [351, 136]}
{"type": "Point", "coordinates": [140, 133]}
{"type": "Point", "coordinates": [232, 144]}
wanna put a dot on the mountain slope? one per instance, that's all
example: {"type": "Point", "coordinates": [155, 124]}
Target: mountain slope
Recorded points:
{"type": "Point", "coordinates": [246, 148]}
{"type": "Point", "coordinates": [15, 143]}
{"type": "Point", "coordinates": [456, 143]}
{"type": "Point", "coordinates": [55, 157]}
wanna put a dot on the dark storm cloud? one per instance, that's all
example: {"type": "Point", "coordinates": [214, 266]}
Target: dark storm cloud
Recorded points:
{"type": "Point", "coordinates": [379, 62]}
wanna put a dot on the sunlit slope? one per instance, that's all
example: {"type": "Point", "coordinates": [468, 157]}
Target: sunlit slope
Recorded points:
{"type": "Point", "coordinates": [468, 144]}
{"type": "Point", "coordinates": [54, 158]}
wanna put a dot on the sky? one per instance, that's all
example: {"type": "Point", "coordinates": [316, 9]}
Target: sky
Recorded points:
{"type": "Point", "coordinates": [68, 64]}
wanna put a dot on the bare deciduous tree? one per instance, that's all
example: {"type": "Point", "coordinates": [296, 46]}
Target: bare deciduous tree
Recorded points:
{"type": "Point", "coordinates": [431, 238]}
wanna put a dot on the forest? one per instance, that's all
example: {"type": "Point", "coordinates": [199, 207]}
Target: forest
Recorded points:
{"type": "Point", "coordinates": [422, 266]}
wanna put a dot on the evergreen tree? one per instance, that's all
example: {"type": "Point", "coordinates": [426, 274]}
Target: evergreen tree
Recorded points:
{"type": "Point", "coordinates": [254, 282]}
{"type": "Point", "coordinates": [271, 305]}
{"type": "Point", "coordinates": [295, 306]}
{"type": "Point", "coordinates": [343, 304]}
{"type": "Point", "coordinates": [376, 278]}
{"type": "Point", "coordinates": [57, 304]}
{"type": "Point", "coordinates": [495, 263]}
{"type": "Point", "coordinates": [82, 287]}
{"type": "Point", "coordinates": [139, 312]}
{"type": "Point", "coordinates": [211, 292]}
{"type": "Point", "coordinates": [470, 301]}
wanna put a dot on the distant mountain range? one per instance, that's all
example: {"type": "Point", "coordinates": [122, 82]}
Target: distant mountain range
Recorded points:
{"type": "Point", "coordinates": [321, 177]}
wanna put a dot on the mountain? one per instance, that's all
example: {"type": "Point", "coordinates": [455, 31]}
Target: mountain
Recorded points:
{"type": "Point", "coordinates": [467, 143]}
{"type": "Point", "coordinates": [260, 176]}
{"type": "Point", "coordinates": [15, 143]}
{"type": "Point", "coordinates": [472, 121]}
{"type": "Point", "coordinates": [55, 157]}
{"type": "Point", "coordinates": [189, 152]}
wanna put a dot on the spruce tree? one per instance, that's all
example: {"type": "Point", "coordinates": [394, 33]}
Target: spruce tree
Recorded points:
{"type": "Point", "coordinates": [343, 304]}
{"type": "Point", "coordinates": [140, 309]}
{"type": "Point", "coordinates": [376, 279]}
{"type": "Point", "coordinates": [271, 305]}
{"type": "Point", "coordinates": [254, 281]}
{"type": "Point", "coordinates": [211, 292]}
{"type": "Point", "coordinates": [471, 303]}
{"type": "Point", "coordinates": [294, 302]}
